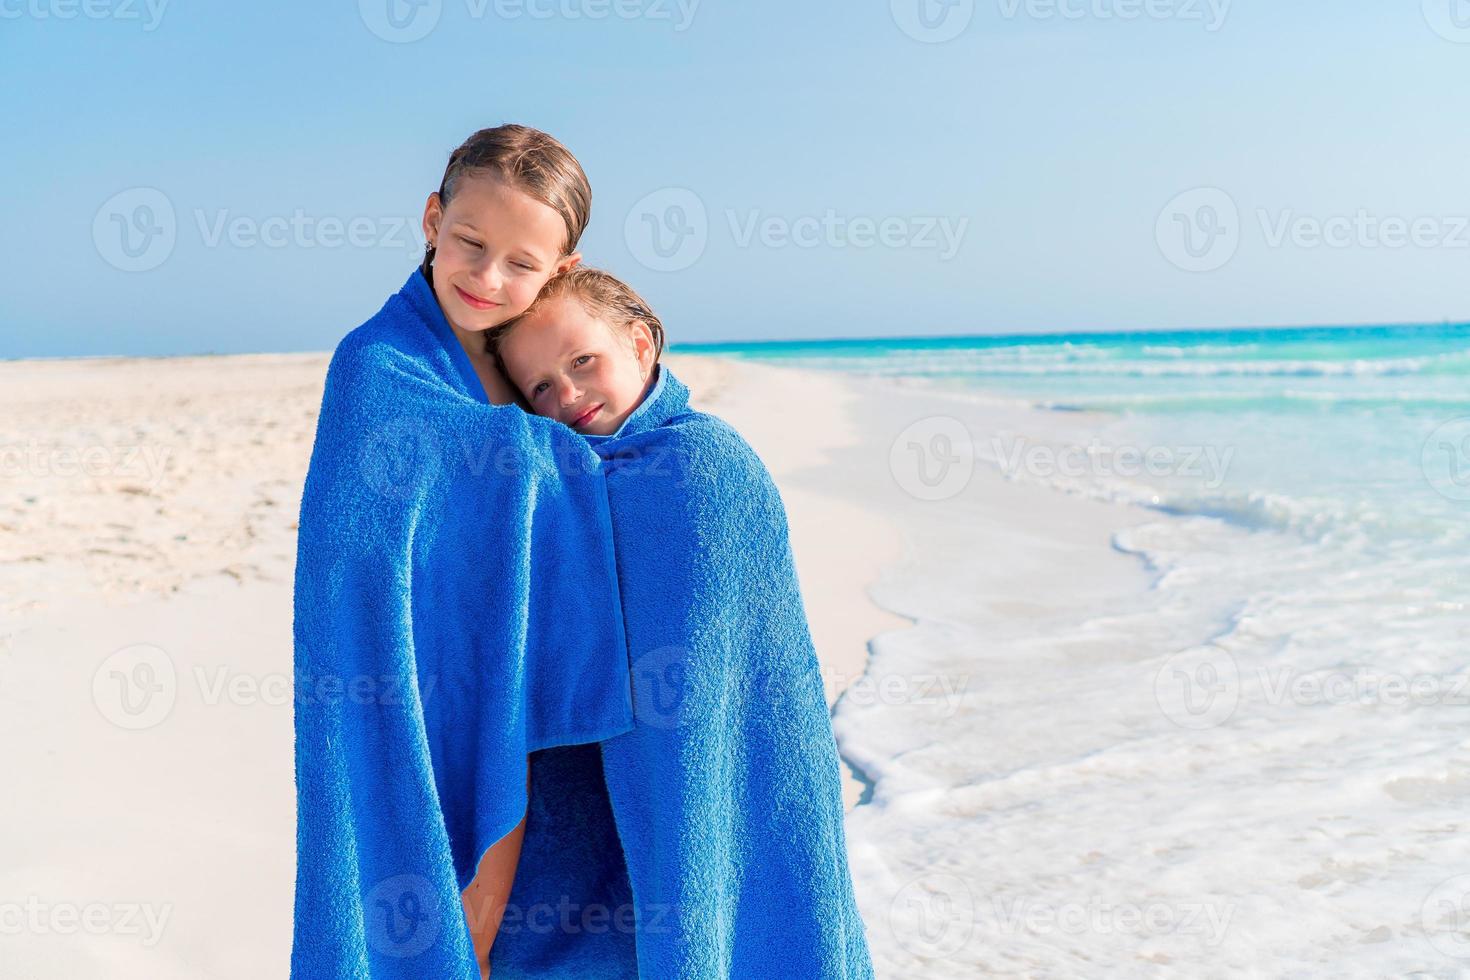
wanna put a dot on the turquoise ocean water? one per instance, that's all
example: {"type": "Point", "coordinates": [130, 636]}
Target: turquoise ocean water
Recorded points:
{"type": "Point", "coordinates": [1351, 428]}
{"type": "Point", "coordinates": [1278, 733]}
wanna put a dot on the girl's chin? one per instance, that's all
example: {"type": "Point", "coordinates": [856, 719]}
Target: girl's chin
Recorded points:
{"type": "Point", "coordinates": [476, 321]}
{"type": "Point", "coordinates": [481, 316]}
{"type": "Point", "coordinates": [605, 425]}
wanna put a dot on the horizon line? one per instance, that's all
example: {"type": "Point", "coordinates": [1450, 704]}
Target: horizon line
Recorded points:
{"type": "Point", "coordinates": [1096, 331]}
{"type": "Point", "coordinates": [673, 347]}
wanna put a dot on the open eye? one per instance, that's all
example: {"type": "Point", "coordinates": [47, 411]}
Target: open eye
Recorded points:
{"type": "Point", "coordinates": [578, 360]}
{"type": "Point", "coordinates": [536, 390]}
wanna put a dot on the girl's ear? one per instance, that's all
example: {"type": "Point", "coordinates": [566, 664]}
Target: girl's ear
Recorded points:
{"type": "Point", "coordinates": [642, 345]}
{"type": "Point", "coordinates": [433, 214]}
{"type": "Point", "coordinates": [571, 261]}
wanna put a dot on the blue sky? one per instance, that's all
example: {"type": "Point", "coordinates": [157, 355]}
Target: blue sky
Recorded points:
{"type": "Point", "coordinates": [820, 169]}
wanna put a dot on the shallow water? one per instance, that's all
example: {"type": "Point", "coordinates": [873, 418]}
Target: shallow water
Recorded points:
{"type": "Point", "coordinates": [1260, 765]}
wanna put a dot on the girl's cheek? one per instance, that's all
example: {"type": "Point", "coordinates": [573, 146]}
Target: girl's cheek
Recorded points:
{"type": "Point", "coordinates": [524, 292]}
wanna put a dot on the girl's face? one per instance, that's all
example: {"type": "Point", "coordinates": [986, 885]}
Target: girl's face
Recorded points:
{"type": "Point", "coordinates": [576, 368]}
{"type": "Point", "coordinates": [494, 248]}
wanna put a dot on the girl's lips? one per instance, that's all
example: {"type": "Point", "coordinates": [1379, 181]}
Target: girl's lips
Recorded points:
{"type": "Point", "coordinates": [586, 416]}
{"type": "Point", "coordinates": [475, 301]}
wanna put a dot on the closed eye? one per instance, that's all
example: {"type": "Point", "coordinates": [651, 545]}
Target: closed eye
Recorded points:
{"type": "Point", "coordinates": [469, 241]}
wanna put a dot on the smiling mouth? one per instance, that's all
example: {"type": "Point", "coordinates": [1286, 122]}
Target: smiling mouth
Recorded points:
{"type": "Point", "coordinates": [586, 416]}
{"type": "Point", "coordinates": [472, 300]}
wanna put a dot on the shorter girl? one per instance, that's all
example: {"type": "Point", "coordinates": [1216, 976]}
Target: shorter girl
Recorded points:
{"type": "Point", "coordinates": [585, 353]}
{"type": "Point", "coordinates": [707, 840]}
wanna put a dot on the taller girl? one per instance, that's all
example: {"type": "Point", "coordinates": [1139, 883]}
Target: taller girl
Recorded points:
{"type": "Point", "coordinates": [507, 217]}
{"type": "Point", "coordinates": [433, 651]}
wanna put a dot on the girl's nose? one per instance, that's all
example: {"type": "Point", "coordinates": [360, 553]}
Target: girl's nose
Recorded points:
{"type": "Point", "coordinates": [489, 276]}
{"type": "Point", "coordinates": [567, 392]}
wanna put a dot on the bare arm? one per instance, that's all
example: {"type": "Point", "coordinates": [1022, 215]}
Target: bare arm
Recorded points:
{"type": "Point", "coordinates": [487, 895]}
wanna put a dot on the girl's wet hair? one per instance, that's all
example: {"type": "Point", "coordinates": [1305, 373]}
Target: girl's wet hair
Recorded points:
{"type": "Point", "coordinates": [603, 295]}
{"type": "Point", "coordinates": [532, 162]}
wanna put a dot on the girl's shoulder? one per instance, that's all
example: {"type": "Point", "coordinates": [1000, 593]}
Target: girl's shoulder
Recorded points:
{"type": "Point", "coordinates": [389, 346]}
{"type": "Point", "coordinates": [378, 338]}
{"type": "Point", "coordinates": [714, 448]}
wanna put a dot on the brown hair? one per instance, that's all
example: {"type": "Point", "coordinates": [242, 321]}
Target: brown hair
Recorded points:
{"type": "Point", "coordinates": [603, 295]}
{"type": "Point", "coordinates": [530, 161]}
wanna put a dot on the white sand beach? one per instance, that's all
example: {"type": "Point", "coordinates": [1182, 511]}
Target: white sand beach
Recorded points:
{"type": "Point", "coordinates": [147, 544]}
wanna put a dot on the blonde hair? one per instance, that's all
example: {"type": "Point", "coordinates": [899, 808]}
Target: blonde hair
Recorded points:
{"type": "Point", "coordinates": [603, 295]}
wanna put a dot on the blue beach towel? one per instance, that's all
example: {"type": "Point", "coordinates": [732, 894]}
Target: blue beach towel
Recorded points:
{"type": "Point", "coordinates": [456, 608]}
{"type": "Point", "coordinates": [707, 841]}
{"type": "Point", "coordinates": [474, 584]}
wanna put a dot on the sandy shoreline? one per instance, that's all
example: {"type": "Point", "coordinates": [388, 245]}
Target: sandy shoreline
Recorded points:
{"type": "Point", "coordinates": [151, 505]}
